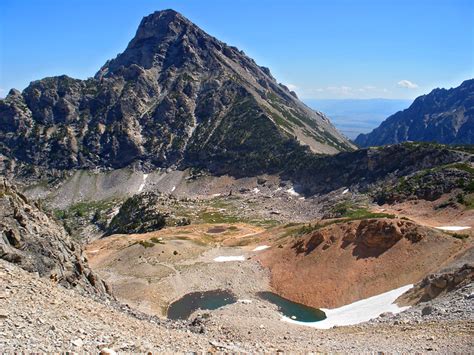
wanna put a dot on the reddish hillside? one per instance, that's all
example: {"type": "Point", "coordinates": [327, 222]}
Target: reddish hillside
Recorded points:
{"type": "Point", "coordinates": [345, 262]}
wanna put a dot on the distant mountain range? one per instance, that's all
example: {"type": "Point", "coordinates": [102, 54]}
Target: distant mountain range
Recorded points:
{"type": "Point", "coordinates": [175, 97]}
{"type": "Point", "coordinates": [355, 116]}
{"type": "Point", "coordinates": [442, 116]}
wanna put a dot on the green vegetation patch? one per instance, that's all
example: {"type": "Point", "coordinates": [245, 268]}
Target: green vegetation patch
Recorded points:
{"type": "Point", "coordinates": [157, 240]}
{"type": "Point", "coordinates": [466, 200]}
{"type": "Point", "coordinates": [84, 209]}
{"type": "Point", "coordinates": [459, 236]}
{"type": "Point", "coordinates": [350, 215]}
{"type": "Point", "coordinates": [468, 148]}
{"type": "Point", "coordinates": [366, 214]}
{"type": "Point", "coordinates": [347, 209]}
{"type": "Point", "coordinates": [76, 216]}
{"type": "Point", "coordinates": [462, 166]}
{"type": "Point", "coordinates": [264, 223]}
{"type": "Point", "coordinates": [218, 217]}
{"type": "Point", "coordinates": [146, 244]}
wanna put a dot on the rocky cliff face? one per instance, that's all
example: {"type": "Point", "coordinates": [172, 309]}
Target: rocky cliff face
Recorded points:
{"type": "Point", "coordinates": [443, 116]}
{"type": "Point", "coordinates": [371, 166]}
{"type": "Point", "coordinates": [428, 184]}
{"type": "Point", "coordinates": [29, 238]}
{"type": "Point", "coordinates": [175, 97]}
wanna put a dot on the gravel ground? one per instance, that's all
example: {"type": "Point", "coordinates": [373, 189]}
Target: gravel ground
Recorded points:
{"type": "Point", "coordinates": [36, 315]}
{"type": "Point", "coordinates": [456, 306]}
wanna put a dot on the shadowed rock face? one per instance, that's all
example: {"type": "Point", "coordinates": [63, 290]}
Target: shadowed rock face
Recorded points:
{"type": "Point", "coordinates": [138, 214]}
{"type": "Point", "coordinates": [443, 116]}
{"type": "Point", "coordinates": [175, 97]}
{"type": "Point", "coordinates": [29, 238]}
{"type": "Point", "coordinates": [366, 167]}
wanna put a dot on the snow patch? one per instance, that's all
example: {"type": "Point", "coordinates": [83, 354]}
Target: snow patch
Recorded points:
{"type": "Point", "coordinates": [142, 185]}
{"type": "Point", "coordinates": [173, 188]}
{"type": "Point", "coordinates": [452, 228]}
{"type": "Point", "coordinates": [215, 195]}
{"type": "Point", "coordinates": [360, 311]}
{"type": "Point", "coordinates": [114, 212]}
{"type": "Point", "coordinates": [256, 190]}
{"type": "Point", "coordinates": [261, 247]}
{"type": "Point", "coordinates": [221, 259]}
{"type": "Point", "coordinates": [345, 191]}
{"type": "Point", "coordinates": [291, 191]}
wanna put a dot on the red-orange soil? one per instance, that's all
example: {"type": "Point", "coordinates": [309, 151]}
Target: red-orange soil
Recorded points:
{"type": "Point", "coordinates": [349, 261]}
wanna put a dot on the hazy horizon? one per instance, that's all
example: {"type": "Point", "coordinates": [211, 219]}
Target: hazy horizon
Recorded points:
{"type": "Point", "coordinates": [355, 116]}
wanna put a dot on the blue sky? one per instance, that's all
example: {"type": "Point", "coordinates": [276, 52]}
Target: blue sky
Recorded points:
{"type": "Point", "coordinates": [322, 49]}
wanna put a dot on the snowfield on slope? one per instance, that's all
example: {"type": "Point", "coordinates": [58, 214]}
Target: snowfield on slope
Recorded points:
{"type": "Point", "coordinates": [261, 247]}
{"type": "Point", "coordinates": [452, 228]}
{"type": "Point", "coordinates": [359, 311]}
{"type": "Point", "coordinates": [221, 259]}
{"type": "Point", "coordinates": [142, 185]}
{"type": "Point", "coordinates": [291, 191]}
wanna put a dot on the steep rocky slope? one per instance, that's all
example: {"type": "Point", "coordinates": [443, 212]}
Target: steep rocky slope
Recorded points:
{"type": "Point", "coordinates": [175, 97]}
{"type": "Point", "coordinates": [34, 241]}
{"type": "Point", "coordinates": [309, 174]}
{"type": "Point", "coordinates": [365, 168]}
{"type": "Point", "coordinates": [443, 116]}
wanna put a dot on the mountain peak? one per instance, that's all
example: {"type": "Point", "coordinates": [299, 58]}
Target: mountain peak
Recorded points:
{"type": "Point", "coordinates": [158, 36]}
{"type": "Point", "coordinates": [176, 96]}
{"type": "Point", "coordinates": [159, 23]}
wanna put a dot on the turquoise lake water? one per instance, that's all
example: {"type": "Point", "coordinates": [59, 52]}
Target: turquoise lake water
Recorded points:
{"type": "Point", "coordinates": [293, 310]}
{"type": "Point", "coordinates": [186, 305]}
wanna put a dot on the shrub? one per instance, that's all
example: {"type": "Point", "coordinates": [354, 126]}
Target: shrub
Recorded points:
{"type": "Point", "coordinates": [460, 236]}
{"type": "Point", "coordinates": [146, 244]}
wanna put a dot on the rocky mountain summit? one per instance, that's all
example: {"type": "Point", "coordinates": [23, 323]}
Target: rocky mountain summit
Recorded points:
{"type": "Point", "coordinates": [34, 241]}
{"type": "Point", "coordinates": [175, 97]}
{"type": "Point", "coordinates": [442, 116]}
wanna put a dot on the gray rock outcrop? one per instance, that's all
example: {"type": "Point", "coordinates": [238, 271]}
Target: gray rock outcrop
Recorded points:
{"type": "Point", "coordinates": [34, 241]}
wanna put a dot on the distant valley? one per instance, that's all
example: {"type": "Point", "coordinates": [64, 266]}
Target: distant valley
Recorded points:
{"type": "Point", "coordinates": [355, 116]}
